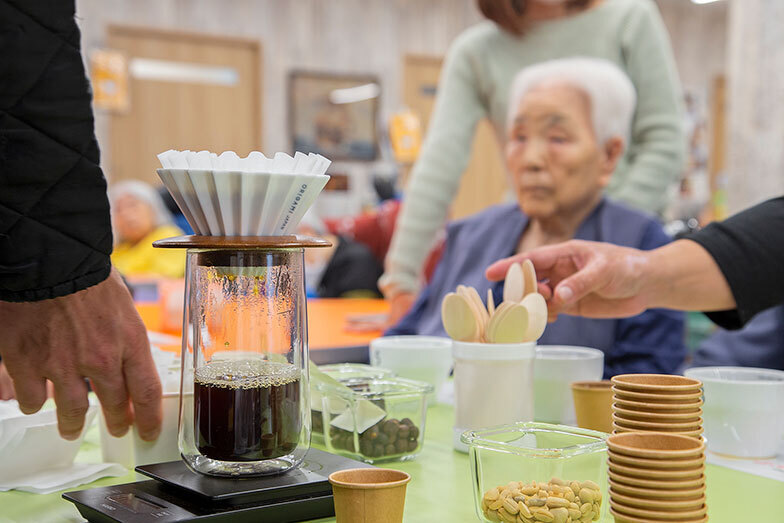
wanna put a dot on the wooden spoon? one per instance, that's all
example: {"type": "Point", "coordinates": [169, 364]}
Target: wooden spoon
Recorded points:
{"type": "Point", "coordinates": [490, 302]}
{"type": "Point", "coordinates": [514, 289]}
{"type": "Point", "coordinates": [474, 296]}
{"type": "Point", "coordinates": [536, 306]}
{"type": "Point", "coordinates": [476, 306]}
{"type": "Point", "coordinates": [459, 319]}
{"type": "Point", "coordinates": [494, 320]}
{"type": "Point", "coordinates": [529, 278]}
{"type": "Point", "coordinates": [511, 327]}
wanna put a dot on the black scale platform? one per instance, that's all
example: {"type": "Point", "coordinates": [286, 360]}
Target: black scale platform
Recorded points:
{"type": "Point", "coordinates": [175, 493]}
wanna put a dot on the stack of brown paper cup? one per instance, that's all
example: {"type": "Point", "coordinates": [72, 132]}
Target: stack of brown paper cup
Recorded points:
{"type": "Point", "coordinates": [657, 403]}
{"type": "Point", "coordinates": [656, 477]}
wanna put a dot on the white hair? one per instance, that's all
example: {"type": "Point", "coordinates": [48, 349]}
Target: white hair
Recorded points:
{"type": "Point", "coordinates": [610, 92]}
{"type": "Point", "coordinates": [144, 192]}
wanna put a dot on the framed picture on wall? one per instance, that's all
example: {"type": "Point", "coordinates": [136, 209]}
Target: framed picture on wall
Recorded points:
{"type": "Point", "coordinates": [334, 114]}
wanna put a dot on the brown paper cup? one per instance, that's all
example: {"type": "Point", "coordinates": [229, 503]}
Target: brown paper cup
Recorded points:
{"type": "Point", "coordinates": [593, 404]}
{"type": "Point", "coordinates": [369, 495]}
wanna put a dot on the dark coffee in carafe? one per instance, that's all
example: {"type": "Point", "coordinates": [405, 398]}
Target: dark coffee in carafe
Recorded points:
{"type": "Point", "coordinates": [247, 410]}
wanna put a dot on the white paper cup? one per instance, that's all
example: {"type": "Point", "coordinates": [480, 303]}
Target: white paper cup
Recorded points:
{"type": "Point", "coordinates": [115, 450]}
{"type": "Point", "coordinates": [421, 358]}
{"type": "Point", "coordinates": [742, 414]}
{"type": "Point", "coordinates": [556, 367]}
{"type": "Point", "coordinates": [164, 448]}
{"type": "Point", "coordinates": [494, 385]}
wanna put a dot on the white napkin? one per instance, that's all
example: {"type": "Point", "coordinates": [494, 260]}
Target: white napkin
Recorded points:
{"type": "Point", "coordinates": [61, 478]}
{"type": "Point", "coordinates": [34, 458]}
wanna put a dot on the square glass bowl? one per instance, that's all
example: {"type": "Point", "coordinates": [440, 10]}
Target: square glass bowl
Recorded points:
{"type": "Point", "coordinates": [524, 469]}
{"type": "Point", "coordinates": [374, 419]}
{"type": "Point", "coordinates": [339, 372]}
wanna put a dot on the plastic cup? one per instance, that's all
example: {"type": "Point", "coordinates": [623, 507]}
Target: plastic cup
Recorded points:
{"type": "Point", "coordinates": [421, 358]}
{"type": "Point", "coordinates": [369, 495]}
{"type": "Point", "coordinates": [165, 447]}
{"type": "Point", "coordinates": [556, 367]}
{"type": "Point", "coordinates": [494, 385]}
{"type": "Point", "coordinates": [743, 410]}
{"type": "Point", "coordinates": [593, 404]}
{"type": "Point", "coordinates": [113, 449]}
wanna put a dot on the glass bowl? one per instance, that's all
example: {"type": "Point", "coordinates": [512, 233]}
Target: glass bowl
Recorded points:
{"type": "Point", "coordinates": [340, 372]}
{"type": "Point", "coordinates": [374, 419]}
{"type": "Point", "coordinates": [525, 468]}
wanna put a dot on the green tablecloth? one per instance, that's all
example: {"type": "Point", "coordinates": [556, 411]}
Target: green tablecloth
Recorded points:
{"type": "Point", "coordinates": [440, 488]}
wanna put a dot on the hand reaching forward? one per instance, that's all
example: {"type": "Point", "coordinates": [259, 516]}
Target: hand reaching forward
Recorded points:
{"type": "Point", "coordinates": [95, 334]}
{"type": "Point", "coordinates": [601, 280]}
{"type": "Point", "coordinates": [591, 279]}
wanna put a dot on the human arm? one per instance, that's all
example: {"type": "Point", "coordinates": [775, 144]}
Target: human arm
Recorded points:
{"type": "Point", "coordinates": [408, 324]}
{"type": "Point", "coordinates": [749, 248]}
{"type": "Point", "coordinates": [436, 175]}
{"type": "Point", "coordinates": [63, 314]}
{"type": "Point", "coordinates": [656, 150]}
{"type": "Point", "coordinates": [731, 269]}
{"type": "Point", "coordinates": [94, 334]}
{"type": "Point", "coordinates": [601, 280]}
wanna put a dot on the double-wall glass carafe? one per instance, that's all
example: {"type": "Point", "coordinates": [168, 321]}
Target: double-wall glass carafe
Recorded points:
{"type": "Point", "coordinates": [245, 396]}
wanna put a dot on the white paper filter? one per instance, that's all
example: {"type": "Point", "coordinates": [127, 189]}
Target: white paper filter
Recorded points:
{"type": "Point", "coordinates": [225, 195]}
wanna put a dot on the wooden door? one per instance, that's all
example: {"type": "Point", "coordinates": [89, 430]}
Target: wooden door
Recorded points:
{"type": "Point", "coordinates": [187, 91]}
{"type": "Point", "coordinates": [484, 182]}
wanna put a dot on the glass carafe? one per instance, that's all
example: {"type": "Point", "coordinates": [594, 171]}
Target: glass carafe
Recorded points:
{"type": "Point", "coordinates": [245, 396]}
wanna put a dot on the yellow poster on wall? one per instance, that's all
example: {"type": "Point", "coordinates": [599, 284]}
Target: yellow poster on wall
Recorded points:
{"type": "Point", "coordinates": [109, 76]}
{"type": "Point", "coordinates": [405, 136]}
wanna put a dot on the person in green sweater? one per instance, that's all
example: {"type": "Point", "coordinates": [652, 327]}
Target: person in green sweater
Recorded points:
{"type": "Point", "coordinates": [475, 83]}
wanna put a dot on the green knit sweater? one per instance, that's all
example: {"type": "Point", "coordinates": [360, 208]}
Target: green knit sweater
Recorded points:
{"type": "Point", "coordinates": [475, 81]}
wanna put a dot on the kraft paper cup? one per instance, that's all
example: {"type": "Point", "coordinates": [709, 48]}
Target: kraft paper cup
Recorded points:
{"type": "Point", "coordinates": [655, 445]}
{"type": "Point", "coordinates": [665, 484]}
{"type": "Point", "coordinates": [664, 464]}
{"type": "Point", "coordinates": [625, 518]}
{"type": "Point", "coordinates": [664, 505]}
{"type": "Point", "coordinates": [643, 406]}
{"type": "Point", "coordinates": [657, 474]}
{"type": "Point", "coordinates": [652, 493]}
{"type": "Point", "coordinates": [655, 397]}
{"type": "Point", "coordinates": [679, 426]}
{"type": "Point", "coordinates": [369, 495]}
{"type": "Point", "coordinates": [657, 417]}
{"type": "Point", "coordinates": [657, 383]}
{"type": "Point", "coordinates": [593, 404]}
{"type": "Point", "coordinates": [620, 428]}
{"type": "Point", "coordinates": [659, 515]}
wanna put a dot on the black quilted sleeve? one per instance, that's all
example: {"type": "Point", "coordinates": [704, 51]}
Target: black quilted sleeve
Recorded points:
{"type": "Point", "coordinates": [55, 232]}
{"type": "Point", "coordinates": [749, 249]}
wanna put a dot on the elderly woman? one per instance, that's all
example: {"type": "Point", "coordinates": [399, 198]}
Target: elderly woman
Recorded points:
{"type": "Point", "coordinates": [140, 217]}
{"type": "Point", "coordinates": [567, 126]}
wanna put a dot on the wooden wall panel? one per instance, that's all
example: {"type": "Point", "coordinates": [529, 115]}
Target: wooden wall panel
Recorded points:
{"type": "Point", "coordinates": [184, 114]}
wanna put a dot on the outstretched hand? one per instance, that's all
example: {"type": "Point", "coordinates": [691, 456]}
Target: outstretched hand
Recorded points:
{"type": "Point", "coordinates": [597, 280]}
{"type": "Point", "coordinates": [95, 334]}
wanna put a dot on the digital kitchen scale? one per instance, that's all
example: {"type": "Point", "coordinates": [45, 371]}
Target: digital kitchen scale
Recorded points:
{"type": "Point", "coordinates": [176, 493]}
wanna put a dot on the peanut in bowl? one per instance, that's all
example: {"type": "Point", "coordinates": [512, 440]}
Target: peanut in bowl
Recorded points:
{"type": "Point", "coordinates": [538, 472]}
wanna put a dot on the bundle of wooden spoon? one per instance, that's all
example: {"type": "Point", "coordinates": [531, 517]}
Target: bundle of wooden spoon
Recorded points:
{"type": "Point", "coordinates": [521, 317]}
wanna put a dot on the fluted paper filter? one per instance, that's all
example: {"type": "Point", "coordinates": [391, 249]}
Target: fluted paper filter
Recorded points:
{"type": "Point", "coordinates": [225, 195]}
